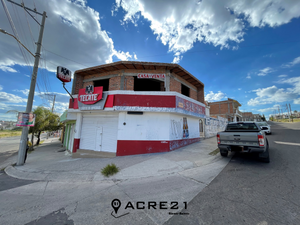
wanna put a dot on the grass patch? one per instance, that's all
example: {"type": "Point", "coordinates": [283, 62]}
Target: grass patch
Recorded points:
{"type": "Point", "coordinates": [214, 152]}
{"type": "Point", "coordinates": [9, 133]}
{"type": "Point", "coordinates": [287, 120]}
{"type": "Point", "coordinates": [109, 170]}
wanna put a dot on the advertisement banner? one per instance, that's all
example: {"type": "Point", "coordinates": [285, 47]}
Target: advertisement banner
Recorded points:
{"type": "Point", "coordinates": [25, 119]}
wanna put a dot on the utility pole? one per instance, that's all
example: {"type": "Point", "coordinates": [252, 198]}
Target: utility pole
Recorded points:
{"type": "Point", "coordinates": [53, 103]}
{"type": "Point", "coordinates": [278, 112]}
{"type": "Point", "coordinates": [291, 112]}
{"type": "Point", "coordinates": [24, 136]}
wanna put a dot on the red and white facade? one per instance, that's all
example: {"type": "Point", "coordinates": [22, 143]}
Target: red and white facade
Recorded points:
{"type": "Point", "coordinates": [127, 122]}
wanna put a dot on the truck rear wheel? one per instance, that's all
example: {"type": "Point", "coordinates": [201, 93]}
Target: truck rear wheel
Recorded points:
{"type": "Point", "coordinates": [224, 153]}
{"type": "Point", "coordinates": [265, 157]}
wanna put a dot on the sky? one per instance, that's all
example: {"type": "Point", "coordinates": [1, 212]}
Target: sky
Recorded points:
{"type": "Point", "coordinates": [245, 50]}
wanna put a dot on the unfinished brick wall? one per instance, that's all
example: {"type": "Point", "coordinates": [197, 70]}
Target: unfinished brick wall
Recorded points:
{"type": "Point", "coordinates": [200, 95]}
{"type": "Point", "coordinates": [87, 83]}
{"type": "Point", "coordinates": [221, 108]}
{"type": "Point", "coordinates": [193, 94]}
{"type": "Point", "coordinates": [175, 85]}
{"type": "Point", "coordinates": [114, 83]}
{"type": "Point", "coordinates": [129, 83]}
{"type": "Point", "coordinates": [78, 85]}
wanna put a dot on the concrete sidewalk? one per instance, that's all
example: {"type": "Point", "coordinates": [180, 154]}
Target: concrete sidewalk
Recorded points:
{"type": "Point", "coordinates": [49, 163]}
{"type": "Point", "coordinates": [74, 189]}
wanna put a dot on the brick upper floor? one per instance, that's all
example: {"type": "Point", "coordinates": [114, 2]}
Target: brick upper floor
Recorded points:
{"type": "Point", "coordinates": [123, 76]}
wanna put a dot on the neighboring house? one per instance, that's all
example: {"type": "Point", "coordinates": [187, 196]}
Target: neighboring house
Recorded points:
{"type": "Point", "coordinates": [228, 109]}
{"type": "Point", "coordinates": [247, 116]}
{"type": "Point", "coordinates": [257, 118]}
{"type": "Point", "coordinates": [130, 107]}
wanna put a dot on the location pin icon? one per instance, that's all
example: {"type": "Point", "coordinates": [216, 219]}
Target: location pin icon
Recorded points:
{"type": "Point", "coordinates": [116, 204]}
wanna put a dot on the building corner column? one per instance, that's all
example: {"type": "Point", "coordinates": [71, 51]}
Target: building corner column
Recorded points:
{"type": "Point", "coordinates": [77, 132]}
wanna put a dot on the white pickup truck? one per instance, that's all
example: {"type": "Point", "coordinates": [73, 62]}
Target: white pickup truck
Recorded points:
{"type": "Point", "coordinates": [244, 137]}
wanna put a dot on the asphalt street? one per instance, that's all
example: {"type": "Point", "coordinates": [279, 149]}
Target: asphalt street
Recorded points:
{"type": "Point", "coordinates": [9, 146]}
{"type": "Point", "coordinates": [251, 192]}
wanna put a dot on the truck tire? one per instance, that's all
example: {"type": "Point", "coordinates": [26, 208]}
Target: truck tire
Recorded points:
{"type": "Point", "coordinates": [224, 153]}
{"type": "Point", "coordinates": [265, 157]}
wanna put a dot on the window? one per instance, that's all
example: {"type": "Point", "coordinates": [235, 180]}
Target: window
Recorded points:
{"type": "Point", "coordinates": [185, 90]}
{"type": "Point", "coordinates": [142, 84]}
{"type": "Point", "coordinates": [104, 83]}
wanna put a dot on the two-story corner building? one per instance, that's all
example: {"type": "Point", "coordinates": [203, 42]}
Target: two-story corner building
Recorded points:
{"type": "Point", "coordinates": [131, 107]}
{"type": "Point", "coordinates": [228, 109]}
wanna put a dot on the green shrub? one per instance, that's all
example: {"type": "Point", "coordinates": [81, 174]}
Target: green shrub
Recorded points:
{"type": "Point", "coordinates": [109, 170]}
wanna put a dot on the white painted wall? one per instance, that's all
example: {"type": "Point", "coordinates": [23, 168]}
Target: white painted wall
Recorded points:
{"type": "Point", "coordinates": [148, 126]}
{"type": "Point", "coordinates": [176, 127]}
{"type": "Point", "coordinates": [213, 126]}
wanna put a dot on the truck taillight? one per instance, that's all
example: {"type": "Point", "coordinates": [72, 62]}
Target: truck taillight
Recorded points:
{"type": "Point", "coordinates": [218, 138]}
{"type": "Point", "coordinates": [261, 140]}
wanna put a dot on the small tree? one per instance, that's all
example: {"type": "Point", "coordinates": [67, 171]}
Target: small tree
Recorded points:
{"type": "Point", "coordinates": [45, 120]}
{"type": "Point", "coordinates": [263, 117]}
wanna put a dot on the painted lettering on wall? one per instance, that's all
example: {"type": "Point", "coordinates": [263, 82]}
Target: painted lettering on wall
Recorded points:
{"type": "Point", "coordinates": [147, 75]}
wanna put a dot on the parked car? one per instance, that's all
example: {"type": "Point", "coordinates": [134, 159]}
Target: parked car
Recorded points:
{"type": "Point", "coordinates": [264, 124]}
{"type": "Point", "coordinates": [244, 137]}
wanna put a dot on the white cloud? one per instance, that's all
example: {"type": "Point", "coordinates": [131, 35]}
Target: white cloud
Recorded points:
{"type": "Point", "coordinates": [293, 63]}
{"type": "Point", "coordinates": [72, 30]}
{"type": "Point", "coordinates": [11, 98]}
{"type": "Point", "coordinates": [297, 101]}
{"type": "Point", "coordinates": [265, 71]}
{"type": "Point", "coordinates": [282, 76]}
{"type": "Point", "coordinates": [270, 109]}
{"type": "Point", "coordinates": [124, 56]}
{"type": "Point", "coordinates": [214, 22]}
{"type": "Point", "coordinates": [211, 96]}
{"type": "Point", "coordinates": [248, 76]}
{"type": "Point", "coordinates": [134, 56]}
{"type": "Point", "coordinates": [273, 94]}
{"type": "Point", "coordinates": [7, 69]}
{"type": "Point", "coordinates": [239, 89]}
{"type": "Point", "coordinates": [25, 92]}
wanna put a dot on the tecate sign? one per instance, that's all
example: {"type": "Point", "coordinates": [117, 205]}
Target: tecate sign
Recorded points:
{"type": "Point", "coordinates": [90, 95]}
{"type": "Point", "coordinates": [147, 75]}
{"type": "Point", "coordinates": [63, 74]}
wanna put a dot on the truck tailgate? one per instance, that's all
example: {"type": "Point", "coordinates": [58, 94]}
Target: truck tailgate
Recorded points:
{"type": "Point", "coordinates": [241, 138]}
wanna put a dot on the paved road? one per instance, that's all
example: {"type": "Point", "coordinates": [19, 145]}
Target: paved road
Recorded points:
{"type": "Point", "coordinates": [250, 192]}
{"type": "Point", "coordinates": [9, 146]}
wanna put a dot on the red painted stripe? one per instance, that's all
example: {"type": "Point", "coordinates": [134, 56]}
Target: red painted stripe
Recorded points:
{"type": "Point", "coordinates": [145, 101]}
{"type": "Point", "coordinates": [109, 101]}
{"type": "Point", "coordinates": [141, 147]}
{"type": "Point", "coordinates": [133, 147]}
{"type": "Point", "coordinates": [76, 144]}
{"type": "Point", "coordinates": [73, 105]}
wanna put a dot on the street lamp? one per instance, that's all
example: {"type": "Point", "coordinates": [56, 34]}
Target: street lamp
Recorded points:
{"type": "Point", "coordinates": [4, 32]}
{"type": "Point", "coordinates": [23, 140]}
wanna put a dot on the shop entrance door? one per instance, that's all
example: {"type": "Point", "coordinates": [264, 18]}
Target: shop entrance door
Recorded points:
{"type": "Point", "coordinates": [99, 139]}
{"type": "Point", "coordinates": [201, 128]}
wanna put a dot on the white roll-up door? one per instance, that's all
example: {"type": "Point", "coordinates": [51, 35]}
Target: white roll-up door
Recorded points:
{"type": "Point", "coordinates": [99, 133]}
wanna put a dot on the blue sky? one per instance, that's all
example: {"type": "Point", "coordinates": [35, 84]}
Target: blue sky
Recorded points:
{"type": "Point", "coordinates": [245, 50]}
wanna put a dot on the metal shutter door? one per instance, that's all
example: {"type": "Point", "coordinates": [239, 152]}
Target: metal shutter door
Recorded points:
{"type": "Point", "coordinates": [90, 124]}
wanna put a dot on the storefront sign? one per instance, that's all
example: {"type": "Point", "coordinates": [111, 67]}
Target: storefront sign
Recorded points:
{"type": "Point", "coordinates": [97, 106]}
{"type": "Point", "coordinates": [25, 119]}
{"type": "Point", "coordinates": [147, 75]}
{"type": "Point", "coordinates": [63, 74]}
{"type": "Point", "coordinates": [90, 95]}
